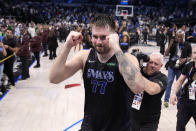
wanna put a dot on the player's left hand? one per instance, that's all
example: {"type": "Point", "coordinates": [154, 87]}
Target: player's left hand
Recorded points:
{"type": "Point", "coordinates": [113, 40]}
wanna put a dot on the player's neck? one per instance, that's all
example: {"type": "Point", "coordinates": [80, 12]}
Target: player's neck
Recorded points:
{"type": "Point", "coordinates": [103, 58]}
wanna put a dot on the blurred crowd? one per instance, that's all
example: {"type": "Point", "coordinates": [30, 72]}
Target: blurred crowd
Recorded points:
{"type": "Point", "coordinates": [31, 30]}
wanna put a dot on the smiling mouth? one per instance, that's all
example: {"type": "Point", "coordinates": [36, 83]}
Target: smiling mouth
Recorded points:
{"type": "Point", "coordinates": [99, 46]}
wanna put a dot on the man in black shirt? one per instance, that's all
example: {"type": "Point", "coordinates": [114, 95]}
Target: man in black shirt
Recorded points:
{"type": "Point", "coordinates": [187, 106]}
{"type": "Point", "coordinates": [10, 44]}
{"type": "Point", "coordinates": [179, 52]}
{"type": "Point", "coordinates": [3, 53]}
{"type": "Point", "coordinates": [107, 72]}
{"type": "Point", "coordinates": [145, 107]}
{"type": "Point", "coordinates": [162, 40]}
{"type": "Point", "coordinates": [145, 34]}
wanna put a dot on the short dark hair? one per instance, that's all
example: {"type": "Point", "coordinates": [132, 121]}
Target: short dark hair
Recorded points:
{"type": "Point", "coordinates": [9, 28]}
{"type": "Point", "coordinates": [102, 20]}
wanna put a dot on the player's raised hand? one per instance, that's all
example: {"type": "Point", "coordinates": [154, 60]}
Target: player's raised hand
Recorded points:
{"type": "Point", "coordinates": [73, 38]}
{"type": "Point", "coordinates": [113, 40]}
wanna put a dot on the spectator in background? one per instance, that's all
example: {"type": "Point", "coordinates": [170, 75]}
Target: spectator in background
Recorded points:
{"type": "Point", "coordinates": [191, 34]}
{"type": "Point", "coordinates": [158, 35]}
{"type": "Point", "coordinates": [36, 47]}
{"type": "Point", "coordinates": [52, 44]}
{"type": "Point", "coordinates": [145, 34]}
{"type": "Point", "coordinates": [116, 26]}
{"type": "Point", "coordinates": [123, 26]}
{"type": "Point", "coordinates": [44, 36]}
{"type": "Point", "coordinates": [24, 52]}
{"type": "Point", "coordinates": [87, 40]}
{"type": "Point", "coordinates": [171, 32]}
{"type": "Point", "coordinates": [1, 36]}
{"type": "Point", "coordinates": [161, 40]}
{"type": "Point", "coordinates": [179, 53]}
{"type": "Point", "coordinates": [138, 35]}
{"type": "Point", "coordinates": [62, 33]}
{"type": "Point", "coordinates": [17, 31]}
{"type": "Point", "coordinates": [187, 101]}
{"type": "Point", "coordinates": [125, 42]}
{"type": "Point", "coordinates": [2, 32]}
{"type": "Point", "coordinates": [3, 53]}
{"type": "Point", "coordinates": [10, 45]}
{"type": "Point", "coordinates": [31, 29]}
{"type": "Point", "coordinates": [183, 30]}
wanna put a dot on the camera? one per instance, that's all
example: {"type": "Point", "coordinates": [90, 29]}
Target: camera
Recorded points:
{"type": "Point", "coordinates": [175, 61]}
{"type": "Point", "coordinates": [141, 57]}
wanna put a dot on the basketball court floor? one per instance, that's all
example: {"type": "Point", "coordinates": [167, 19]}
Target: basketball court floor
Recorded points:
{"type": "Point", "coordinates": [37, 105]}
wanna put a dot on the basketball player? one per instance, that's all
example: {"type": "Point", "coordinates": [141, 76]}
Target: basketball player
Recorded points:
{"type": "Point", "coordinates": [107, 74]}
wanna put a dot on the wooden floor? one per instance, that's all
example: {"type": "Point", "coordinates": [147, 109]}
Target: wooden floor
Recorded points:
{"type": "Point", "coordinates": [37, 105]}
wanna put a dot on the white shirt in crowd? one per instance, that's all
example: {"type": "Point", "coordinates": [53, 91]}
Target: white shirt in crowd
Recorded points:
{"type": "Point", "coordinates": [31, 31]}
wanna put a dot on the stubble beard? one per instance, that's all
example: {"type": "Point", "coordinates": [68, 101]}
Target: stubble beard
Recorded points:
{"type": "Point", "coordinates": [102, 51]}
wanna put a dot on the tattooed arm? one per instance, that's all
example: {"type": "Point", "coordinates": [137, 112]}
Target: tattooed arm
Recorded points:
{"type": "Point", "coordinates": [129, 68]}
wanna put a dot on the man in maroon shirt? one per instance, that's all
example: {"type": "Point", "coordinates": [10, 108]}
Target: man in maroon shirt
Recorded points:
{"type": "Point", "coordinates": [24, 52]}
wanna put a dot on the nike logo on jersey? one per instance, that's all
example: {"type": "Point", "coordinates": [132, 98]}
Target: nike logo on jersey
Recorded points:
{"type": "Point", "coordinates": [91, 61]}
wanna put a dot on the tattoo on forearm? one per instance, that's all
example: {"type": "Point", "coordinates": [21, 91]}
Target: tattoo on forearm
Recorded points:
{"type": "Point", "coordinates": [129, 71]}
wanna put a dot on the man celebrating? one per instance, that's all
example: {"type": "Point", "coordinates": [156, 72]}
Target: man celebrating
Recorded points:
{"type": "Point", "coordinates": [107, 74]}
{"type": "Point", "coordinates": [146, 106]}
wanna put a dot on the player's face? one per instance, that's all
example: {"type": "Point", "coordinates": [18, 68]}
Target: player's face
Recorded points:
{"type": "Point", "coordinates": [154, 65]}
{"type": "Point", "coordinates": [100, 43]}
